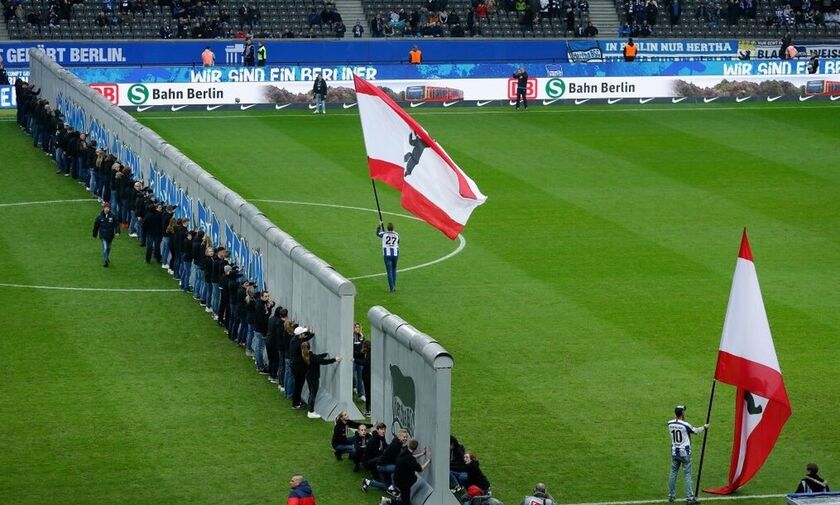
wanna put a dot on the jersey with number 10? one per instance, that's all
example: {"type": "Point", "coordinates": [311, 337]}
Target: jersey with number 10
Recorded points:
{"type": "Point", "coordinates": [680, 432]}
{"type": "Point", "coordinates": [390, 243]}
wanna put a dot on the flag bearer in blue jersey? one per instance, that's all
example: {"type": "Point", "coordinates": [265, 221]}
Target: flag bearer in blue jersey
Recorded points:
{"type": "Point", "coordinates": [391, 252]}
{"type": "Point", "coordinates": [680, 433]}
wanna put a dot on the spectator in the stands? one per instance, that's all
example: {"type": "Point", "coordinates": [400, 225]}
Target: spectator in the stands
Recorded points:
{"type": "Point", "coordinates": [645, 30]}
{"type": "Point", "coordinates": [358, 30]}
{"type": "Point", "coordinates": [591, 30]}
{"type": "Point", "coordinates": [624, 30]}
{"type": "Point", "coordinates": [287, 33]}
{"type": "Point", "coordinates": [580, 31]}
{"type": "Point", "coordinates": [377, 26]}
{"type": "Point", "coordinates": [675, 11]}
{"type": "Point", "coordinates": [652, 12]}
{"type": "Point", "coordinates": [340, 29]}
{"type": "Point", "coordinates": [570, 19]}
{"type": "Point", "coordinates": [457, 31]}
{"type": "Point", "coordinates": [732, 12]}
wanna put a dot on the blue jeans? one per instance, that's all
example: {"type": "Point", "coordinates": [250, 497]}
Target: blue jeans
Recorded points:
{"type": "Point", "coordinates": [197, 280]}
{"type": "Point", "coordinates": [457, 479]}
{"type": "Point", "coordinates": [59, 160]}
{"type": "Point", "coordinates": [259, 349]}
{"type": "Point", "coordinates": [386, 472]}
{"type": "Point", "coordinates": [345, 449]}
{"type": "Point", "coordinates": [106, 251]}
{"type": "Point", "coordinates": [206, 291]}
{"type": "Point", "coordinates": [358, 378]}
{"type": "Point", "coordinates": [288, 379]}
{"type": "Point", "coordinates": [391, 270]}
{"type": "Point", "coordinates": [683, 460]}
{"type": "Point", "coordinates": [186, 267]}
{"type": "Point", "coordinates": [217, 297]}
{"type": "Point", "coordinates": [249, 336]}
{"type": "Point", "coordinates": [164, 250]}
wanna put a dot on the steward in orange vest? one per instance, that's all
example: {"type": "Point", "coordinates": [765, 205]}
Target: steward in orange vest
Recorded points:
{"type": "Point", "coordinates": [415, 56]}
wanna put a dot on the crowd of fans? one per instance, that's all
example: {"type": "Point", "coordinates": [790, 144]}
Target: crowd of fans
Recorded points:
{"type": "Point", "coordinates": [435, 19]}
{"type": "Point", "coordinates": [642, 16]}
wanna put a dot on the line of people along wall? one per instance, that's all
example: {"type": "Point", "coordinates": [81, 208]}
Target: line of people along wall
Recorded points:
{"type": "Point", "coordinates": [309, 287]}
{"type": "Point", "coordinates": [166, 189]}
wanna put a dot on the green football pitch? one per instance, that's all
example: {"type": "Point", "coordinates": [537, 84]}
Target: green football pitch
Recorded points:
{"type": "Point", "coordinates": [586, 302]}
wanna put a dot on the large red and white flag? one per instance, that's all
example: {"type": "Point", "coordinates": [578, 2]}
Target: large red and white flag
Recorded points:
{"type": "Point", "coordinates": [401, 154]}
{"type": "Point", "coordinates": [747, 360]}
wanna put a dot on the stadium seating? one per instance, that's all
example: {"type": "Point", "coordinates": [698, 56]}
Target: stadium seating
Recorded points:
{"type": "Point", "coordinates": [693, 23]}
{"type": "Point", "coordinates": [276, 16]}
{"type": "Point", "coordinates": [279, 16]}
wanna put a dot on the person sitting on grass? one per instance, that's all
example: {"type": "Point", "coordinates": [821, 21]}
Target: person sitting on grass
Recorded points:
{"type": "Point", "coordinates": [476, 482]}
{"type": "Point", "coordinates": [386, 464]}
{"type": "Point", "coordinates": [360, 443]}
{"type": "Point", "coordinates": [375, 447]}
{"type": "Point", "coordinates": [341, 443]}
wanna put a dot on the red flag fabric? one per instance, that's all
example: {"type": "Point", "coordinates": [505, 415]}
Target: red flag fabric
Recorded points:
{"type": "Point", "coordinates": [403, 155]}
{"type": "Point", "coordinates": [747, 360]}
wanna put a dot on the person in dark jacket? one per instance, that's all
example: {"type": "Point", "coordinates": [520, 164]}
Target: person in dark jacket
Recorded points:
{"type": "Point", "coordinates": [358, 340]}
{"type": "Point", "coordinates": [812, 482]}
{"type": "Point", "coordinates": [406, 470]}
{"type": "Point", "coordinates": [476, 482]}
{"type": "Point", "coordinates": [457, 467]}
{"type": "Point", "coordinates": [186, 259]}
{"type": "Point", "coordinates": [275, 327]}
{"type": "Point", "coordinates": [262, 310]}
{"type": "Point", "coordinates": [153, 230]}
{"type": "Point", "coordinates": [106, 226]}
{"type": "Point", "coordinates": [301, 493]}
{"type": "Point", "coordinates": [298, 366]}
{"type": "Point", "coordinates": [231, 273]}
{"type": "Point", "coordinates": [197, 281]}
{"type": "Point", "coordinates": [373, 452]}
{"type": "Point", "coordinates": [313, 363]}
{"type": "Point", "coordinates": [360, 443]}
{"type": "Point", "coordinates": [366, 374]}
{"type": "Point", "coordinates": [341, 443]}
{"type": "Point", "coordinates": [282, 351]}
{"type": "Point", "coordinates": [387, 463]}
{"type": "Point", "coordinates": [319, 90]}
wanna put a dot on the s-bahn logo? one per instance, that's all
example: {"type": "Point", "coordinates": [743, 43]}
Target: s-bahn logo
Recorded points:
{"type": "Point", "coordinates": [530, 89]}
{"type": "Point", "coordinates": [111, 92]}
{"type": "Point", "coordinates": [138, 94]}
{"type": "Point", "coordinates": [555, 88]}
{"type": "Point", "coordinates": [403, 402]}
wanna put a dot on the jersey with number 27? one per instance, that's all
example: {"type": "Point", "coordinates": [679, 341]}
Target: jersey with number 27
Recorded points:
{"type": "Point", "coordinates": [680, 432]}
{"type": "Point", "coordinates": [390, 243]}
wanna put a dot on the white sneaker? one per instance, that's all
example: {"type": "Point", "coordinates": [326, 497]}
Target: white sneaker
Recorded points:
{"type": "Point", "coordinates": [281, 388]}
{"type": "Point", "coordinates": [362, 398]}
{"type": "Point", "coordinates": [312, 415]}
{"type": "Point", "coordinates": [272, 380]}
{"type": "Point", "coordinates": [208, 309]}
{"type": "Point", "coordinates": [384, 501]}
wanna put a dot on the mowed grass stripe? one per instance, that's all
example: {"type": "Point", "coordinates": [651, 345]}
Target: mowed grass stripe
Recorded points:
{"type": "Point", "coordinates": [129, 398]}
{"type": "Point", "coordinates": [610, 296]}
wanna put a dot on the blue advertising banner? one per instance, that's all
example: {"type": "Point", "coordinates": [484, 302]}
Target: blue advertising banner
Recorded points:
{"type": "Point", "coordinates": [7, 97]}
{"type": "Point", "coordinates": [149, 75]}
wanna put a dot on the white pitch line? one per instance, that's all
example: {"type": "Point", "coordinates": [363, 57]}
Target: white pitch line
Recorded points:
{"type": "Point", "coordinates": [45, 202]}
{"type": "Point", "coordinates": [711, 498]}
{"type": "Point", "coordinates": [69, 288]}
{"type": "Point", "coordinates": [462, 241]}
{"type": "Point", "coordinates": [476, 110]}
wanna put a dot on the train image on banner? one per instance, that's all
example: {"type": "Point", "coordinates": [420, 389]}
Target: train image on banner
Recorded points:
{"type": "Point", "coordinates": [822, 87]}
{"type": "Point", "coordinates": [433, 94]}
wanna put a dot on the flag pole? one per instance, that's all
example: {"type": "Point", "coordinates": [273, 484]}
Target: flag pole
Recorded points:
{"type": "Point", "coordinates": [376, 197]}
{"type": "Point", "coordinates": [705, 434]}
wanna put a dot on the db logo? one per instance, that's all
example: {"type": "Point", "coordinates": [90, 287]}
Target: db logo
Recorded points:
{"type": "Point", "coordinates": [530, 89]}
{"type": "Point", "coordinates": [111, 92]}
